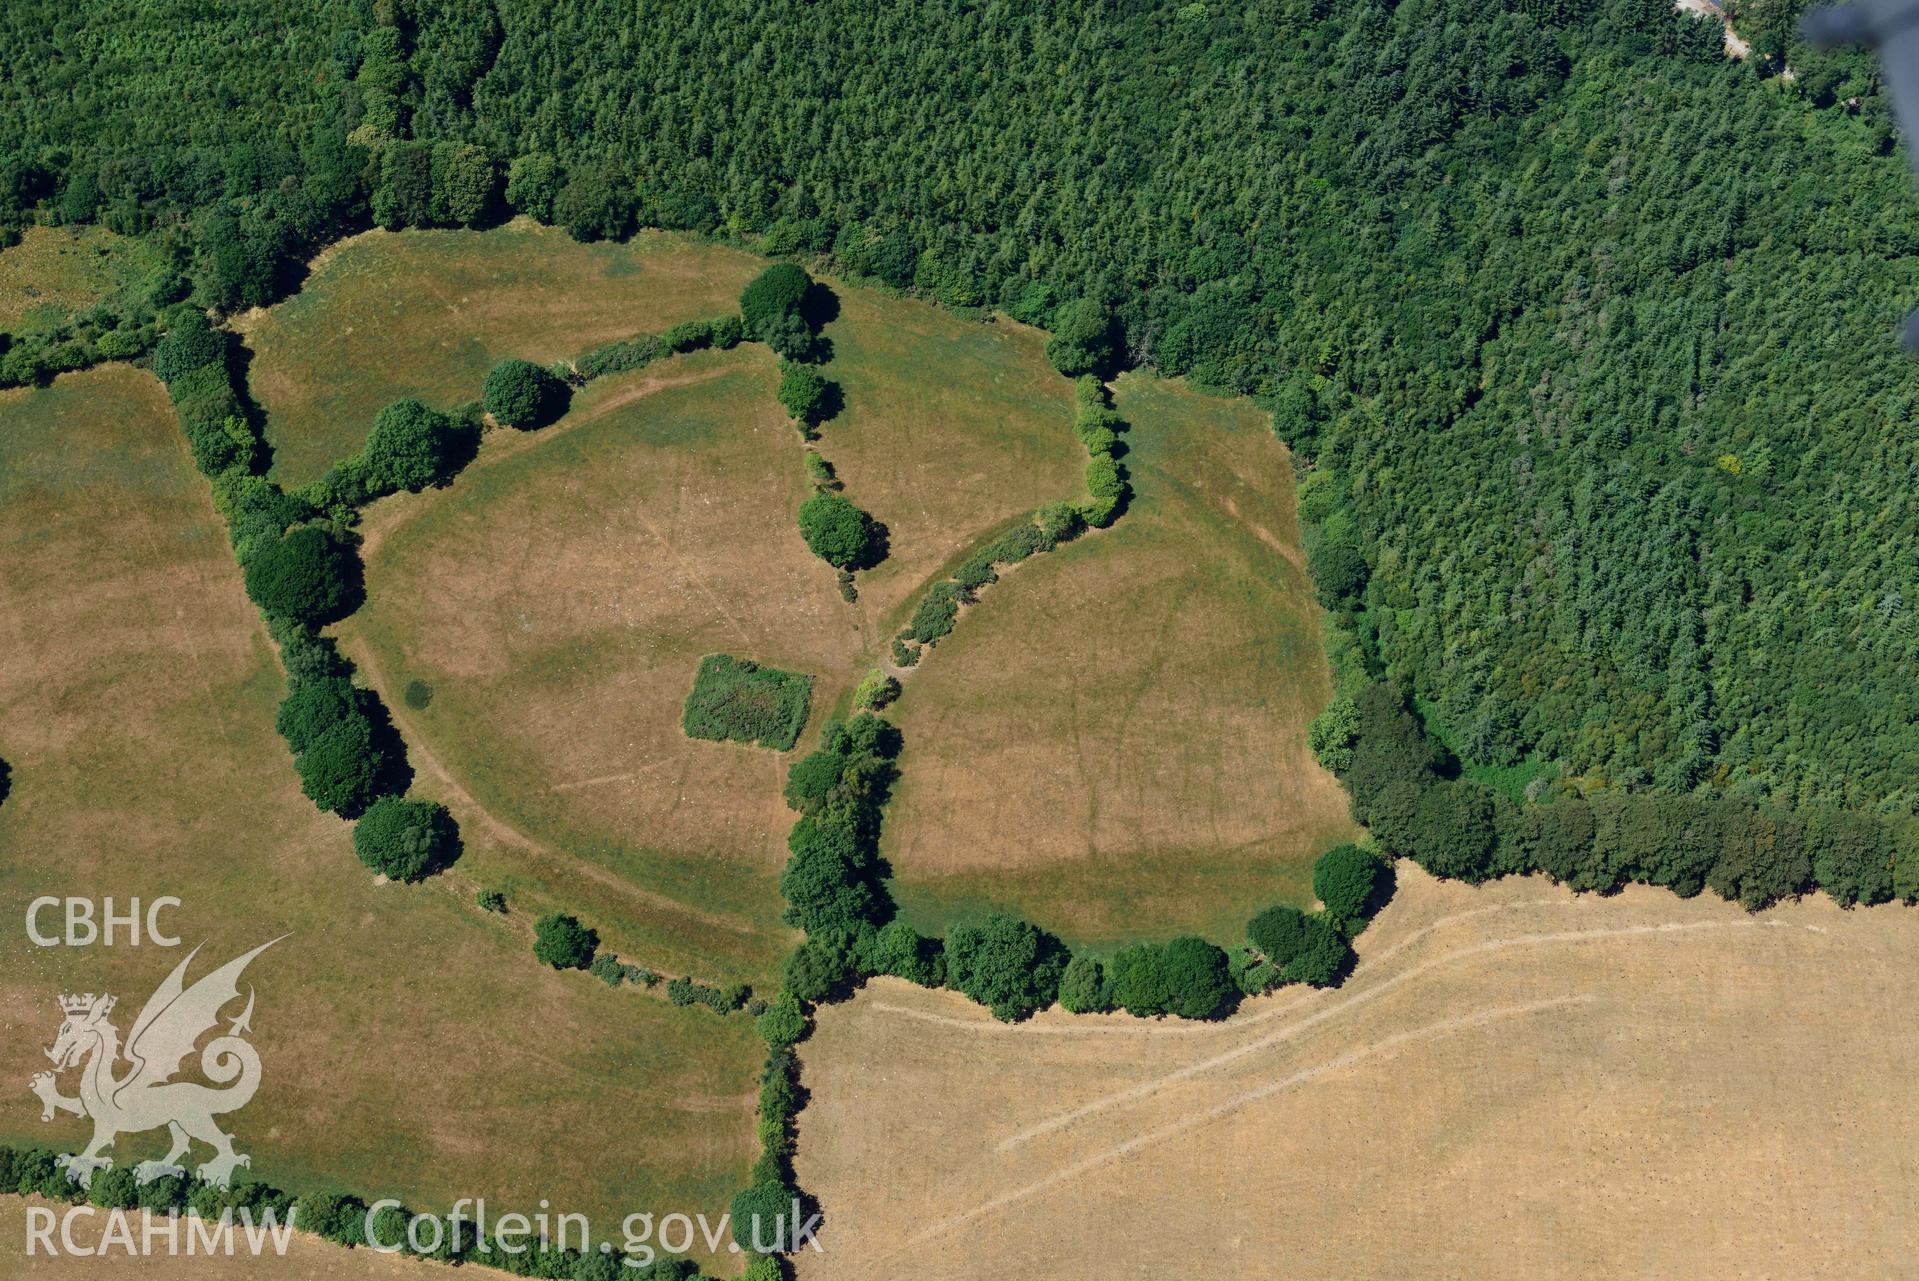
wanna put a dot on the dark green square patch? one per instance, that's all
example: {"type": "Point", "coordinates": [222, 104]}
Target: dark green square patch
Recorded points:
{"type": "Point", "coordinates": [737, 700]}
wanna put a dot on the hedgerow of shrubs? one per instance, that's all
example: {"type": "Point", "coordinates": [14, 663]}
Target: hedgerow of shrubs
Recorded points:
{"type": "Point", "coordinates": [409, 448]}
{"type": "Point", "coordinates": [938, 611]}
{"type": "Point", "coordinates": [120, 326]}
{"type": "Point", "coordinates": [1098, 428]}
{"type": "Point", "coordinates": [724, 332]}
{"type": "Point", "coordinates": [685, 991]}
{"type": "Point", "coordinates": [192, 361]}
{"type": "Point", "coordinates": [612, 971]}
{"type": "Point", "coordinates": [619, 356]}
{"type": "Point", "coordinates": [300, 570]}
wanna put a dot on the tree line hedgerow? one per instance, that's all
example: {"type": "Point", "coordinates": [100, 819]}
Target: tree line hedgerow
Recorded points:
{"type": "Point", "coordinates": [562, 942]}
{"type": "Point", "coordinates": [302, 569]}
{"type": "Point", "coordinates": [299, 558]}
{"type": "Point", "coordinates": [1409, 793]}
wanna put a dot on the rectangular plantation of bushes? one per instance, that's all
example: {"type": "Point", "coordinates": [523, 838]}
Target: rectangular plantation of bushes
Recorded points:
{"type": "Point", "coordinates": [735, 699]}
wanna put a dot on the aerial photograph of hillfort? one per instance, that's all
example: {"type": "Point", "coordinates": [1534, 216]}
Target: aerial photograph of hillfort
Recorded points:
{"type": "Point", "coordinates": [918, 640]}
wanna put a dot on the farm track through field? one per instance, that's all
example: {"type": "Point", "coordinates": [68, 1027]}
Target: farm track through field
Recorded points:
{"type": "Point", "coordinates": [1066, 1174]}
{"type": "Point", "coordinates": [1510, 1064]}
{"type": "Point", "coordinates": [1154, 1086]}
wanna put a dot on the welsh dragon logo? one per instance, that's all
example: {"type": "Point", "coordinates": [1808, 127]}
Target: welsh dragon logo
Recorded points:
{"type": "Point", "coordinates": [144, 1096]}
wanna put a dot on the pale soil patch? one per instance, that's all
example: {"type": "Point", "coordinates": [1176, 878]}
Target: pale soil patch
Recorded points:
{"type": "Point", "coordinates": [558, 599]}
{"type": "Point", "coordinates": [427, 313]}
{"type": "Point", "coordinates": [1112, 742]}
{"type": "Point", "coordinates": [411, 1044]}
{"type": "Point", "coordinates": [1516, 1082]}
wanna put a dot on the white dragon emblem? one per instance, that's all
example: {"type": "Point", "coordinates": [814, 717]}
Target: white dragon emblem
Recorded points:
{"type": "Point", "coordinates": [144, 1096]}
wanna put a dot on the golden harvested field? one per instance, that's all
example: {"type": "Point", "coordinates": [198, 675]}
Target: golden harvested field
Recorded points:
{"type": "Point", "coordinates": [1515, 1083]}
{"type": "Point", "coordinates": [1112, 743]}
{"type": "Point", "coordinates": [412, 1046]}
{"type": "Point", "coordinates": [427, 313]}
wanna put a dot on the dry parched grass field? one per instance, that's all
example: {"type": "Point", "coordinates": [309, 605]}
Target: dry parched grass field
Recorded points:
{"type": "Point", "coordinates": [558, 599]}
{"type": "Point", "coordinates": [427, 313]}
{"type": "Point", "coordinates": [950, 430]}
{"type": "Point", "coordinates": [411, 1045]}
{"type": "Point", "coordinates": [1112, 743]}
{"type": "Point", "coordinates": [1516, 1083]}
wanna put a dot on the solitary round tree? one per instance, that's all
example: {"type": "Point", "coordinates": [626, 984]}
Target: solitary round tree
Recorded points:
{"type": "Point", "coordinates": [1453, 830]}
{"type": "Point", "coordinates": [1082, 988]}
{"type": "Point", "coordinates": [406, 840]}
{"type": "Point", "coordinates": [838, 532]}
{"type": "Point", "coordinates": [1197, 980]}
{"type": "Point", "coordinates": [521, 394]}
{"type": "Point", "coordinates": [1280, 933]}
{"type": "Point", "coordinates": [308, 576]}
{"type": "Point", "coordinates": [410, 447]}
{"type": "Point", "coordinates": [1339, 574]}
{"type": "Point", "coordinates": [562, 942]}
{"type": "Point", "coordinates": [1082, 341]}
{"type": "Point", "coordinates": [341, 768]}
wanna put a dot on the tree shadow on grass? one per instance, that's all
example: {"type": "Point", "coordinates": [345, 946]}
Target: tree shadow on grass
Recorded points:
{"type": "Point", "coordinates": [819, 306]}
{"type": "Point", "coordinates": [879, 544]}
{"type": "Point", "coordinates": [395, 772]}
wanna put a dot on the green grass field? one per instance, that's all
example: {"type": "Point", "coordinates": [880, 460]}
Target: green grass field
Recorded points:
{"type": "Point", "coordinates": [1112, 742]}
{"type": "Point", "coordinates": [411, 1044]}
{"type": "Point", "coordinates": [427, 313]}
{"type": "Point", "coordinates": [56, 271]}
